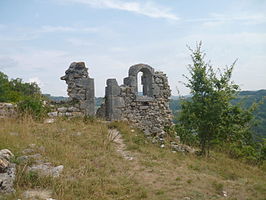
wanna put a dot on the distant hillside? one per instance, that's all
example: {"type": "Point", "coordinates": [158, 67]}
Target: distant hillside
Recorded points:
{"type": "Point", "coordinates": [246, 99]}
{"type": "Point", "coordinates": [98, 100]}
{"type": "Point", "coordinates": [56, 98]}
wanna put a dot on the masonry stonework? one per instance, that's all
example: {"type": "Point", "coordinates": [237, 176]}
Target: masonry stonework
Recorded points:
{"type": "Point", "coordinates": [80, 88]}
{"type": "Point", "coordinates": [149, 111]}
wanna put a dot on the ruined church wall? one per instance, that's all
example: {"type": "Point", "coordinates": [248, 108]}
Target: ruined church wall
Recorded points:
{"type": "Point", "coordinates": [150, 112]}
{"type": "Point", "coordinates": [80, 88]}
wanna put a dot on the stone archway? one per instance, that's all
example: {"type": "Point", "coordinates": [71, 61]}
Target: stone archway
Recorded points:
{"type": "Point", "coordinates": [147, 79]}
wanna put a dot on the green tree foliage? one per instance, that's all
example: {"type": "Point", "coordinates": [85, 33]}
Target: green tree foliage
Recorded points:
{"type": "Point", "coordinates": [33, 105]}
{"type": "Point", "coordinates": [27, 95]}
{"type": "Point", "coordinates": [4, 87]}
{"type": "Point", "coordinates": [15, 90]}
{"type": "Point", "coordinates": [245, 99]}
{"type": "Point", "coordinates": [208, 117]}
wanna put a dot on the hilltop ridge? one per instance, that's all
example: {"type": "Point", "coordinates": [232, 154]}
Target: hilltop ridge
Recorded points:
{"type": "Point", "coordinates": [94, 169]}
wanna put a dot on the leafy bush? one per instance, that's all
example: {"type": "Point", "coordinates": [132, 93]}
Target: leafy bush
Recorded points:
{"type": "Point", "coordinates": [16, 90]}
{"type": "Point", "coordinates": [246, 152]}
{"type": "Point", "coordinates": [186, 137]}
{"type": "Point", "coordinates": [33, 106]}
{"type": "Point", "coordinates": [27, 96]}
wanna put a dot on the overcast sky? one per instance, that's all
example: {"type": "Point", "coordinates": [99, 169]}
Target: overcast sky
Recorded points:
{"type": "Point", "coordinates": [40, 38]}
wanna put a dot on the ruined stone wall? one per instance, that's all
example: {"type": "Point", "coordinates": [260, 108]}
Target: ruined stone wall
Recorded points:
{"type": "Point", "coordinates": [149, 112]}
{"type": "Point", "coordinates": [80, 88]}
{"type": "Point", "coordinates": [8, 110]}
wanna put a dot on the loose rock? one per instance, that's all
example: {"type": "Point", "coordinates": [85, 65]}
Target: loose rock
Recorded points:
{"type": "Point", "coordinates": [49, 121]}
{"type": "Point", "coordinates": [46, 169]}
{"type": "Point", "coordinates": [6, 154]}
{"type": "Point", "coordinates": [7, 172]}
{"type": "Point", "coordinates": [38, 194]}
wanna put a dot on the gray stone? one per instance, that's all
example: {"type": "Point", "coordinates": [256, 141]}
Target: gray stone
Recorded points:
{"type": "Point", "coordinates": [8, 110]}
{"type": "Point", "coordinates": [3, 165]}
{"type": "Point", "coordinates": [182, 148]}
{"type": "Point", "coordinates": [49, 121]}
{"type": "Point", "coordinates": [46, 169]}
{"type": "Point", "coordinates": [52, 114]}
{"type": "Point", "coordinates": [72, 109]}
{"type": "Point", "coordinates": [7, 172]}
{"type": "Point", "coordinates": [143, 107]}
{"type": "Point", "coordinates": [80, 88]}
{"type": "Point", "coordinates": [26, 158]}
{"type": "Point", "coordinates": [150, 112]}
{"type": "Point", "coordinates": [38, 194]}
{"type": "Point", "coordinates": [7, 179]}
{"type": "Point", "coordinates": [6, 154]}
{"type": "Point", "coordinates": [62, 109]}
{"type": "Point", "coordinates": [28, 151]}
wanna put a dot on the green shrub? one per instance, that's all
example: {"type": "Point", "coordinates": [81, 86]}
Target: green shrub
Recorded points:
{"type": "Point", "coordinates": [246, 152]}
{"type": "Point", "coordinates": [186, 137]}
{"type": "Point", "coordinates": [33, 106]}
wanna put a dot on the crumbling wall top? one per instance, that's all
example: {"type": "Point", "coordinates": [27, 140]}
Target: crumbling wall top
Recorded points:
{"type": "Point", "coordinates": [80, 87]}
{"type": "Point", "coordinates": [76, 70]}
{"type": "Point", "coordinates": [135, 69]}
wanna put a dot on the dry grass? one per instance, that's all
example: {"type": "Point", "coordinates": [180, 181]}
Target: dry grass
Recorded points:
{"type": "Point", "coordinates": [168, 175]}
{"type": "Point", "coordinates": [94, 170]}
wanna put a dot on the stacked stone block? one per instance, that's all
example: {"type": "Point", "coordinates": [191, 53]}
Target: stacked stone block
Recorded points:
{"type": "Point", "coordinates": [8, 110]}
{"type": "Point", "coordinates": [149, 112]}
{"type": "Point", "coordinates": [80, 88]}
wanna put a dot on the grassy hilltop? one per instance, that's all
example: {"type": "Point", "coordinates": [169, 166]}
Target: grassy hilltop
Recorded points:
{"type": "Point", "coordinates": [93, 169]}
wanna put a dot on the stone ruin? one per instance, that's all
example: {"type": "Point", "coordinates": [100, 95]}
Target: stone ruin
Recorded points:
{"type": "Point", "coordinates": [80, 88]}
{"type": "Point", "coordinates": [8, 110]}
{"type": "Point", "coordinates": [148, 111]}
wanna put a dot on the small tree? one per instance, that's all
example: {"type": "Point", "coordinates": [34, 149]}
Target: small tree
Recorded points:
{"type": "Point", "coordinates": [209, 114]}
{"type": "Point", "coordinates": [27, 96]}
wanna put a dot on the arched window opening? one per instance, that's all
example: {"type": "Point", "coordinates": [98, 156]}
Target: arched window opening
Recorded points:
{"type": "Point", "coordinates": [141, 79]}
{"type": "Point", "coordinates": [140, 84]}
{"type": "Point", "coordinates": [144, 83]}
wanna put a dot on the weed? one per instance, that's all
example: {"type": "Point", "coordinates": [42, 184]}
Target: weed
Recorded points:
{"type": "Point", "coordinates": [218, 187]}
{"type": "Point", "coordinates": [189, 181]}
{"type": "Point", "coordinates": [159, 192]}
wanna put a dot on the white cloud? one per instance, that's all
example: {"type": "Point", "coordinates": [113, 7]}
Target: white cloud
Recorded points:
{"type": "Point", "coordinates": [27, 34]}
{"type": "Point", "coordinates": [149, 9]}
{"type": "Point", "coordinates": [43, 67]}
{"type": "Point", "coordinates": [52, 29]}
{"type": "Point", "coordinates": [217, 19]}
{"type": "Point", "coordinates": [79, 42]}
{"type": "Point", "coordinates": [36, 80]}
{"type": "Point", "coordinates": [234, 39]}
